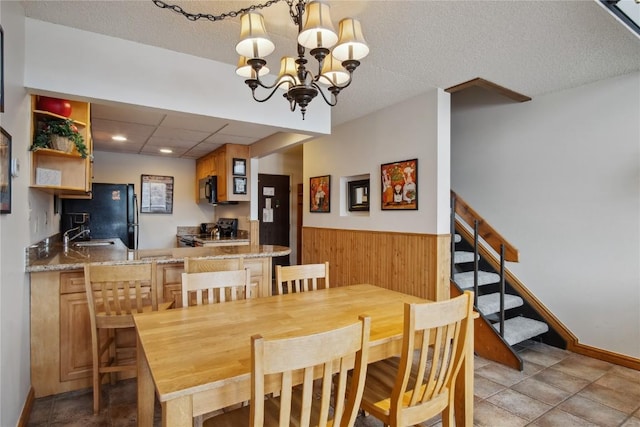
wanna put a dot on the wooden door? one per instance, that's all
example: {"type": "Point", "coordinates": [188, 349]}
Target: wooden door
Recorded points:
{"type": "Point", "coordinates": [274, 194]}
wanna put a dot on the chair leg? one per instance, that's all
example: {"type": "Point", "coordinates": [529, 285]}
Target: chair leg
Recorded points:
{"type": "Point", "coordinates": [113, 355]}
{"type": "Point", "coordinates": [447, 416]}
{"type": "Point", "coordinates": [96, 387]}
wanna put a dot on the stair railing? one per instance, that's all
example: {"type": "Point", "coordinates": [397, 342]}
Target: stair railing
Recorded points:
{"type": "Point", "coordinates": [461, 213]}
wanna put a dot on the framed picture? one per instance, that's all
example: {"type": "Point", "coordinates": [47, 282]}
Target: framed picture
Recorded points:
{"type": "Point", "coordinates": [5, 172]}
{"type": "Point", "coordinates": [239, 167]}
{"type": "Point", "coordinates": [320, 193]}
{"type": "Point", "coordinates": [239, 185]}
{"type": "Point", "coordinates": [400, 185]}
{"type": "Point", "coordinates": [157, 194]}
{"type": "Point", "coordinates": [1, 70]}
{"type": "Point", "coordinates": [359, 195]}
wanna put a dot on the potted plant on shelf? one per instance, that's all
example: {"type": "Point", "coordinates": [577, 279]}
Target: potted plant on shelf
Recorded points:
{"type": "Point", "coordinates": [60, 135]}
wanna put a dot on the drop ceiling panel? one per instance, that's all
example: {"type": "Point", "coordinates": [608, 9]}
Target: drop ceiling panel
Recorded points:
{"type": "Point", "coordinates": [194, 122]}
{"type": "Point", "coordinates": [181, 134]}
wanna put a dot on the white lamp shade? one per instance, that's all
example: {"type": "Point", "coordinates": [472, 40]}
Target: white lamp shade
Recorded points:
{"type": "Point", "coordinates": [333, 73]}
{"type": "Point", "coordinates": [318, 30]}
{"type": "Point", "coordinates": [352, 44]}
{"type": "Point", "coordinates": [288, 72]}
{"type": "Point", "coordinates": [245, 70]}
{"type": "Point", "coordinates": [254, 41]}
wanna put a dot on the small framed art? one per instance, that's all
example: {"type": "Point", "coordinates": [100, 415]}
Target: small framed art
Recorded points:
{"type": "Point", "coordinates": [239, 185]}
{"type": "Point", "coordinates": [157, 194]}
{"type": "Point", "coordinates": [320, 194]}
{"type": "Point", "coordinates": [239, 167]}
{"type": "Point", "coordinates": [400, 185]}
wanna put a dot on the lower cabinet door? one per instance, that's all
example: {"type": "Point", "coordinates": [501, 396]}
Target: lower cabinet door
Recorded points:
{"type": "Point", "coordinates": [75, 337]}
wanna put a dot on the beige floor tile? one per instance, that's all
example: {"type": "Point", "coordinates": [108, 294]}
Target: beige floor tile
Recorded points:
{"type": "Point", "coordinates": [615, 399]}
{"type": "Point", "coordinates": [559, 418]}
{"type": "Point", "coordinates": [519, 404]}
{"type": "Point", "coordinates": [479, 362]}
{"type": "Point", "coordinates": [489, 415]}
{"type": "Point", "coordinates": [548, 349]}
{"type": "Point", "coordinates": [617, 382]}
{"type": "Point", "coordinates": [626, 372]}
{"type": "Point", "coordinates": [540, 358]}
{"type": "Point", "coordinates": [530, 368]}
{"type": "Point", "coordinates": [540, 391]}
{"type": "Point", "coordinates": [484, 388]}
{"type": "Point", "coordinates": [577, 367]}
{"type": "Point", "coordinates": [561, 380]}
{"type": "Point", "coordinates": [592, 411]}
{"type": "Point", "coordinates": [501, 374]}
{"type": "Point", "coordinates": [631, 422]}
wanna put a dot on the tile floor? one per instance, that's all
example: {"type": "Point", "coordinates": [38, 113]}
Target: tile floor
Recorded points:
{"type": "Point", "coordinates": [556, 389]}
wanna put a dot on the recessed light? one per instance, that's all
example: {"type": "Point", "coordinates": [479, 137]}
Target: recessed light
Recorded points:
{"type": "Point", "coordinates": [119, 138]}
{"type": "Point", "coordinates": [166, 150]}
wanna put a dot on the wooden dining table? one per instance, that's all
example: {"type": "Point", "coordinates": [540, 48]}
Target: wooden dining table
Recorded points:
{"type": "Point", "coordinates": [198, 359]}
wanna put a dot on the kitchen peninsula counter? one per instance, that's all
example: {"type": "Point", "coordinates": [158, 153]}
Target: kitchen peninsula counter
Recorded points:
{"type": "Point", "coordinates": [60, 335]}
{"type": "Point", "coordinates": [55, 258]}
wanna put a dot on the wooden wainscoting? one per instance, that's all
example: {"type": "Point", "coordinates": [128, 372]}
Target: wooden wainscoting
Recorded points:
{"type": "Point", "coordinates": [415, 264]}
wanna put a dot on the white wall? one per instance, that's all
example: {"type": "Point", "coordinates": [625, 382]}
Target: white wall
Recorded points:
{"type": "Point", "coordinates": [416, 128]}
{"type": "Point", "coordinates": [14, 227]}
{"type": "Point", "coordinates": [559, 177]}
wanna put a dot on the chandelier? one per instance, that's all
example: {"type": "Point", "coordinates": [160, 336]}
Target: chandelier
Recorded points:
{"type": "Point", "coordinates": [337, 54]}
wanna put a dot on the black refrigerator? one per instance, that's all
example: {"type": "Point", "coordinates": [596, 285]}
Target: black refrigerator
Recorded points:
{"type": "Point", "coordinates": [113, 212]}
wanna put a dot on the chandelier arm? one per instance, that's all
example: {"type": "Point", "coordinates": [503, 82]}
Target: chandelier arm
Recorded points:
{"type": "Point", "coordinates": [322, 78]}
{"type": "Point", "coordinates": [335, 94]}
{"type": "Point", "coordinates": [253, 91]}
{"type": "Point", "coordinates": [276, 84]}
{"type": "Point", "coordinates": [195, 16]}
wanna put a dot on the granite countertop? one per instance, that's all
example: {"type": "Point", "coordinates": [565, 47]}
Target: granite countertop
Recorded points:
{"type": "Point", "coordinates": [52, 256]}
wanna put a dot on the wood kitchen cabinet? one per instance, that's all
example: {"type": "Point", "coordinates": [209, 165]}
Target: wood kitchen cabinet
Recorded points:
{"type": "Point", "coordinates": [220, 163]}
{"type": "Point", "coordinates": [57, 172]}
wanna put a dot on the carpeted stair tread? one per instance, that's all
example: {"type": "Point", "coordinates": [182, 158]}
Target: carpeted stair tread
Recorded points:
{"type": "Point", "coordinates": [465, 280]}
{"type": "Point", "coordinates": [460, 257]}
{"type": "Point", "coordinates": [490, 303]}
{"type": "Point", "coordinates": [518, 329]}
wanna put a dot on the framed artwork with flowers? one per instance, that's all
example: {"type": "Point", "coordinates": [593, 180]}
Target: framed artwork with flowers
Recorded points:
{"type": "Point", "coordinates": [400, 185]}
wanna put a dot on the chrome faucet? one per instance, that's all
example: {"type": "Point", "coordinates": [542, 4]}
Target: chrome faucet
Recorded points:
{"type": "Point", "coordinates": [66, 239]}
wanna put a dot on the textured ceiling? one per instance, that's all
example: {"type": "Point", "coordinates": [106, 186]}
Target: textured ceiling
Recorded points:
{"type": "Point", "coordinates": [531, 47]}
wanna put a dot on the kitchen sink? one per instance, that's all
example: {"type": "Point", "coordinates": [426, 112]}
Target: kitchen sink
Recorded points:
{"type": "Point", "coordinates": [91, 243]}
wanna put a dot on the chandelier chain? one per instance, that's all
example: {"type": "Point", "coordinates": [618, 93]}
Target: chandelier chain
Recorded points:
{"type": "Point", "coordinates": [195, 16]}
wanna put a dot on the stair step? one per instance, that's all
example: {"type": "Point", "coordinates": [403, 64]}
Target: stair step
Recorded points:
{"type": "Point", "coordinates": [518, 329]}
{"type": "Point", "coordinates": [460, 257]}
{"type": "Point", "coordinates": [490, 303]}
{"type": "Point", "coordinates": [465, 280]}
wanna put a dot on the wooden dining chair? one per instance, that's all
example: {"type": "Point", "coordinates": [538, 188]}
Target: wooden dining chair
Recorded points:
{"type": "Point", "coordinates": [114, 294]}
{"type": "Point", "coordinates": [301, 278]}
{"type": "Point", "coordinates": [420, 383]}
{"type": "Point", "coordinates": [288, 366]}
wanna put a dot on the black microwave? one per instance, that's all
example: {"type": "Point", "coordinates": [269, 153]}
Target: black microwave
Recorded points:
{"type": "Point", "coordinates": [208, 190]}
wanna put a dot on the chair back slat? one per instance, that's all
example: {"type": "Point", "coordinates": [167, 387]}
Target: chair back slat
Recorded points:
{"type": "Point", "coordinates": [337, 358]}
{"type": "Point", "coordinates": [301, 278]}
{"type": "Point", "coordinates": [218, 286]}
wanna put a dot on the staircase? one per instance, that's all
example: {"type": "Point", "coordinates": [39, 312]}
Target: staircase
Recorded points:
{"type": "Point", "coordinates": [478, 263]}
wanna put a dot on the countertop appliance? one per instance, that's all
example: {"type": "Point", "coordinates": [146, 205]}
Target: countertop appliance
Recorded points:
{"type": "Point", "coordinates": [228, 227]}
{"type": "Point", "coordinates": [208, 190]}
{"type": "Point", "coordinates": [112, 210]}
